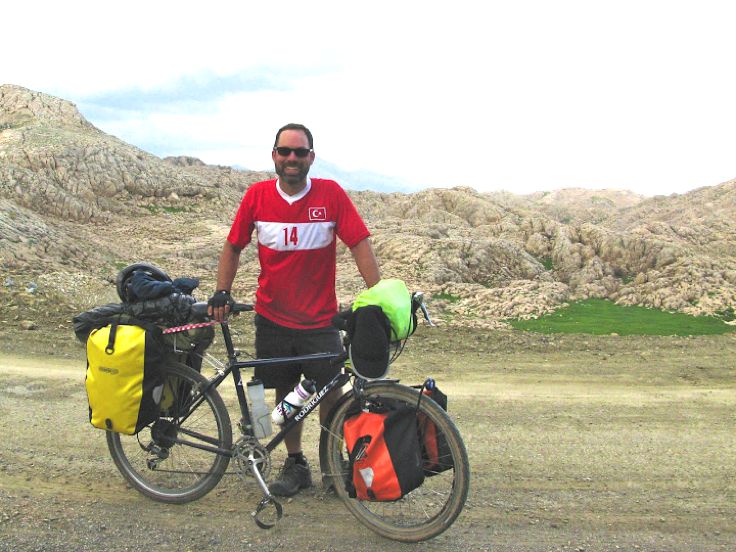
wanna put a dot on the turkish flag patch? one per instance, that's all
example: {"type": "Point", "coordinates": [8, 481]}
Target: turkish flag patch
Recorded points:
{"type": "Point", "coordinates": [317, 213]}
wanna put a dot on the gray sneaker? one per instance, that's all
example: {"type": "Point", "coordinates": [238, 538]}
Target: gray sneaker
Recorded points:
{"type": "Point", "coordinates": [292, 477]}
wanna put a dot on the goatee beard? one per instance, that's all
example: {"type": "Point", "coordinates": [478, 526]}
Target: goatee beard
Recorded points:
{"type": "Point", "coordinates": [293, 179]}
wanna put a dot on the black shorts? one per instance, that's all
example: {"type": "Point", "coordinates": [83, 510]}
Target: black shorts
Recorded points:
{"type": "Point", "coordinates": [273, 340]}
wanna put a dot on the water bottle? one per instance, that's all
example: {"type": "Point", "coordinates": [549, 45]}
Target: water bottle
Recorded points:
{"type": "Point", "coordinates": [258, 409]}
{"type": "Point", "coordinates": [293, 401]}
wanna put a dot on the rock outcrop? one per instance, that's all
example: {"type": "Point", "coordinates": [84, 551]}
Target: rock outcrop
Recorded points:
{"type": "Point", "coordinates": [77, 204]}
{"type": "Point", "coordinates": [55, 162]}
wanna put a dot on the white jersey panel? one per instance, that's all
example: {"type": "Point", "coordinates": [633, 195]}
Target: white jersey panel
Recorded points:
{"type": "Point", "coordinates": [295, 236]}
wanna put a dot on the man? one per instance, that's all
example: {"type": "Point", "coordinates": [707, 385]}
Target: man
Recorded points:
{"type": "Point", "coordinates": [296, 220]}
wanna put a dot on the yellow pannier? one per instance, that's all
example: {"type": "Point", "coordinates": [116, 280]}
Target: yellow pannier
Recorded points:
{"type": "Point", "coordinates": [124, 379]}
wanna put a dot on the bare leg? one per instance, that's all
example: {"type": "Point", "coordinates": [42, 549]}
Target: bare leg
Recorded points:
{"type": "Point", "coordinates": [326, 405]}
{"type": "Point", "coordinates": [293, 439]}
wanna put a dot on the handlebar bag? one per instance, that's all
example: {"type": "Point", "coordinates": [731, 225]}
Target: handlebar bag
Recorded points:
{"type": "Point", "coordinates": [395, 301]}
{"type": "Point", "coordinates": [124, 379]}
{"type": "Point", "coordinates": [385, 457]}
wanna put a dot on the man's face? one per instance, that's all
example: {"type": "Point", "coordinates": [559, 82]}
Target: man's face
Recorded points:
{"type": "Point", "coordinates": [292, 170]}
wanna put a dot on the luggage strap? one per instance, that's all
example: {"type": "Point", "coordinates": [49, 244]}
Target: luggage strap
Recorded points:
{"type": "Point", "coordinates": [186, 327]}
{"type": "Point", "coordinates": [110, 349]}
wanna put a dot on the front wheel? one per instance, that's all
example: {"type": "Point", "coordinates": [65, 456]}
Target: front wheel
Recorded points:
{"type": "Point", "coordinates": [426, 511]}
{"type": "Point", "coordinates": [156, 462]}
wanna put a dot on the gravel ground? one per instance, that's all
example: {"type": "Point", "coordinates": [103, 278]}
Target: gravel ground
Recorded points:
{"type": "Point", "coordinates": [575, 444]}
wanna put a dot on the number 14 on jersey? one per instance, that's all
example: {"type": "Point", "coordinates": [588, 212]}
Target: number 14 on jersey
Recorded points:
{"type": "Point", "coordinates": [291, 236]}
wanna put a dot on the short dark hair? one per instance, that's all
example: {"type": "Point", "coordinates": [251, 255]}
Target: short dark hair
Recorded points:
{"type": "Point", "coordinates": [295, 126]}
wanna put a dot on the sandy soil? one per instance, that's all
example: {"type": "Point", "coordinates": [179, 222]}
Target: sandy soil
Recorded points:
{"type": "Point", "coordinates": [575, 443]}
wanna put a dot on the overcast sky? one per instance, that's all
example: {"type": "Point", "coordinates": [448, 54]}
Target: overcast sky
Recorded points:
{"type": "Point", "coordinates": [519, 95]}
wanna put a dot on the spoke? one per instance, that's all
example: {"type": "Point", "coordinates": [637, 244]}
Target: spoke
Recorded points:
{"type": "Point", "coordinates": [335, 435]}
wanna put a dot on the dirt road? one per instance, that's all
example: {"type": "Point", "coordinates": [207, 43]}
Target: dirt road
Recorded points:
{"type": "Point", "coordinates": [575, 444]}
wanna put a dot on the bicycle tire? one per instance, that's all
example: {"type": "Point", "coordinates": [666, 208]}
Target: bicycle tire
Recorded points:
{"type": "Point", "coordinates": [184, 473]}
{"type": "Point", "coordinates": [425, 512]}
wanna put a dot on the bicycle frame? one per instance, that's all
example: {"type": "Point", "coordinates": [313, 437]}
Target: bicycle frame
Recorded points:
{"type": "Point", "coordinates": [234, 366]}
{"type": "Point", "coordinates": [196, 407]}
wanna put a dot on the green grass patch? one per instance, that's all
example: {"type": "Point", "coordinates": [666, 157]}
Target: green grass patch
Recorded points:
{"type": "Point", "coordinates": [602, 317]}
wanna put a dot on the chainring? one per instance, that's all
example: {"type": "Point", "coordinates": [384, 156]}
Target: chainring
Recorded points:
{"type": "Point", "coordinates": [261, 457]}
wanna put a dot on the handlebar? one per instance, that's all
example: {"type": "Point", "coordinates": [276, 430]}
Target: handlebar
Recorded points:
{"type": "Point", "coordinates": [199, 309]}
{"type": "Point", "coordinates": [340, 320]}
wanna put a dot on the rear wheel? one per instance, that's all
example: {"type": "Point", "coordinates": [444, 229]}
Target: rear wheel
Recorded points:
{"type": "Point", "coordinates": [155, 461]}
{"type": "Point", "coordinates": [426, 511]}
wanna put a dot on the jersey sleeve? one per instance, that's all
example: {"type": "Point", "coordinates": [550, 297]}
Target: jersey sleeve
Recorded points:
{"type": "Point", "coordinates": [350, 227]}
{"type": "Point", "coordinates": [242, 228]}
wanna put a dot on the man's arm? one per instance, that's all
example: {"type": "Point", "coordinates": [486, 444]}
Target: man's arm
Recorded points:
{"type": "Point", "coordinates": [366, 262]}
{"type": "Point", "coordinates": [226, 271]}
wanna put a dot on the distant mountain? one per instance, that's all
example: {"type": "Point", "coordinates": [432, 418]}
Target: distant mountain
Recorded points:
{"type": "Point", "coordinates": [360, 180]}
{"type": "Point", "coordinates": [572, 205]}
{"type": "Point", "coordinates": [355, 180]}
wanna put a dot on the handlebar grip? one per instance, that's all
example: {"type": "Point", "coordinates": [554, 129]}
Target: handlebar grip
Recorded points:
{"type": "Point", "coordinates": [199, 309]}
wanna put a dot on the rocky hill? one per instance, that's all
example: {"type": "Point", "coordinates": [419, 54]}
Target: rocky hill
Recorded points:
{"type": "Point", "coordinates": [77, 204]}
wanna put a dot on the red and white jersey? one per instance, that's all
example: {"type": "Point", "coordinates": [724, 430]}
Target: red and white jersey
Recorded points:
{"type": "Point", "coordinates": [296, 248]}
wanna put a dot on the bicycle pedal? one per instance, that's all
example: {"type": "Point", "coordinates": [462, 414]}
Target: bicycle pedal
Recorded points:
{"type": "Point", "coordinates": [265, 502]}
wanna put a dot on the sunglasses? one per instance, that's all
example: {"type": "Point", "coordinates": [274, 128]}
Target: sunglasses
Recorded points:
{"type": "Point", "coordinates": [286, 152]}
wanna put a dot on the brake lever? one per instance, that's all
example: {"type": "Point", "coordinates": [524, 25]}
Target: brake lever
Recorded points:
{"type": "Point", "coordinates": [425, 312]}
{"type": "Point", "coordinates": [418, 299]}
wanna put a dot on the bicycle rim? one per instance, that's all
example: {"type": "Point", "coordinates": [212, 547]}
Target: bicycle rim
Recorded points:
{"type": "Point", "coordinates": [170, 472]}
{"type": "Point", "coordinates": [423, 513]}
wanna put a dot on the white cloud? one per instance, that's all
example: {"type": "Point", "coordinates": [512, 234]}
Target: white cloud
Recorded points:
{"type": "Point", "coordinates": [525, 96]}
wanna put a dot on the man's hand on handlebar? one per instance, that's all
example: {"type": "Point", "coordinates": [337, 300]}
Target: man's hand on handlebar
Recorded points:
{"type": "Point", "coordinates": [220, 305]}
